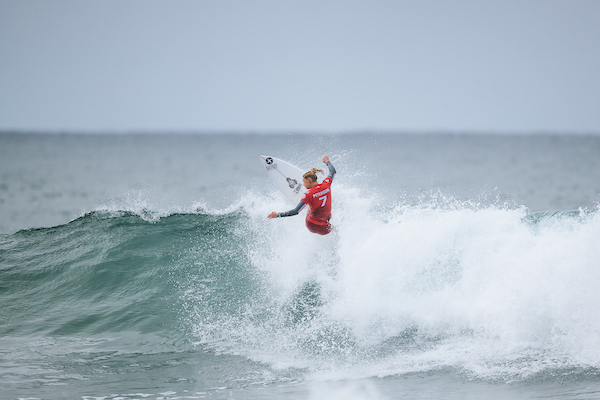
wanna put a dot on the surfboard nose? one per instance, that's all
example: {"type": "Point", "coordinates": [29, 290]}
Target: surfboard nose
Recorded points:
{"type": "Point", "coordinates": [267, 159]}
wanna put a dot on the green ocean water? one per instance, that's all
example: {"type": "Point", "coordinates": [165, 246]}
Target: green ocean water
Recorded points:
{"type": "Point", "coordinates": [152, 272]}
{"type": "Point", "coordinates": [101, 299]}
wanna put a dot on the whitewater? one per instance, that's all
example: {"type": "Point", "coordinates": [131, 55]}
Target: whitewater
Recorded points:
{"type": "Point", "coordinates": [140, 266]}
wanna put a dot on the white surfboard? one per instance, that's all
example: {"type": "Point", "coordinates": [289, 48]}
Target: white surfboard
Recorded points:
{"type": "Point", "coordinates": [287, 177]}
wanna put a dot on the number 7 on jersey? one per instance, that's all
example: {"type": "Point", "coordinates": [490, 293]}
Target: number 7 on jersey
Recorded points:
{"type": "Point", "coordinates": [324, 198]}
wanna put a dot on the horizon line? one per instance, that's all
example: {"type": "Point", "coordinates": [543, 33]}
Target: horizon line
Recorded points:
{"type": "Point", "coordinates": [216, 132]}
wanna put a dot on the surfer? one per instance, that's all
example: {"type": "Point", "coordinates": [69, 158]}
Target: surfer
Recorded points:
{"type": "Point", "coordinates": [318, 199]}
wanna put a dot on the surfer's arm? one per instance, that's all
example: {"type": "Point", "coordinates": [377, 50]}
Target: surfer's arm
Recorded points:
{"type": "Point", "coordinates": [290, 213]}
{"type": "Point", "coordinates": [295, 211]}
{"type": "Point", "coordinates": [332, 170]}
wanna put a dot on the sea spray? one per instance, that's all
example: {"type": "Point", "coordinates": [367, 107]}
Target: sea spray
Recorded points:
{"type": "Point", "coordinates": [484, 290]}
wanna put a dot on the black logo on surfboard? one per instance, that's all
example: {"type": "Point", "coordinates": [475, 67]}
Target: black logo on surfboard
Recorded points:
{"type": "Point", "coordinates": [269, 160]}
{"type": "Point", "coordinates": [291, 182]}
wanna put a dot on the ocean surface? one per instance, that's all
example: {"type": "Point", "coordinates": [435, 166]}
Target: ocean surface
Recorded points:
{"type": "Point", "coordinates": [144, 267]}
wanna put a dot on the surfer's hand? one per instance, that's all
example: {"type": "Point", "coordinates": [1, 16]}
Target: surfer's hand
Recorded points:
{"type": "Point", "coordinates": [273, 215]}
{"type": "Point", "coordinates": [325, 159]}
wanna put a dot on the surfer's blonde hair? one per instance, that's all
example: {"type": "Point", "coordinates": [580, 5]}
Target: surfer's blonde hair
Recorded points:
{"type": "Point", "coordinates": [312, 174]}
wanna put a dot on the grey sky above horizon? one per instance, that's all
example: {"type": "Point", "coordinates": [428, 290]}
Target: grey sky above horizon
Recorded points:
{"type": "Point", "coordinates": [316, 66]}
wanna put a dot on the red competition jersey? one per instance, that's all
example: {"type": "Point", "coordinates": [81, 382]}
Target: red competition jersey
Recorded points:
{"type": "Point", "coordinates": [318, 199]}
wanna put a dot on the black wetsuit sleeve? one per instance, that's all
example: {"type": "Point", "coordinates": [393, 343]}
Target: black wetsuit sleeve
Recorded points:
{"type": "Point", "coordinates": [332, 170]}
{"type": "Point", "coordinates": [295, 211]}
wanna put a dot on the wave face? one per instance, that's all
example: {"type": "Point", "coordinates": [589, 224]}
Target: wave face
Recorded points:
{"type": "Point", "coordinates": [106, 272]}
{"type": "Point", "coordinates": [488, 292]}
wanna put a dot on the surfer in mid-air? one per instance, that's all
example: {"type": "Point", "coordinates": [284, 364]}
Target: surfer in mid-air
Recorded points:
{"type": "Point", "coordinates": [318, 199]}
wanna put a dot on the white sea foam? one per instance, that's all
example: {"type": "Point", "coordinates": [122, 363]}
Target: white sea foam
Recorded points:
{"type": "Point", "coordinates": [413, 288]}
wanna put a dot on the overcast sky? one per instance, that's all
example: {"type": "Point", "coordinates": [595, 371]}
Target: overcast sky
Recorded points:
{"type": "Point", "coordinates": [317, 66]}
